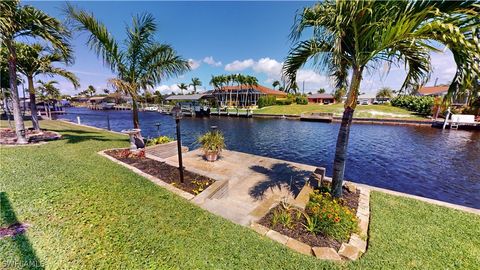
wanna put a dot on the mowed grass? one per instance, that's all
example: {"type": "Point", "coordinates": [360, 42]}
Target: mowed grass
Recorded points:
{"type": "Point", "coordinates": [369, 111]}
{"type": "Point", "coordinates": [86, 212]}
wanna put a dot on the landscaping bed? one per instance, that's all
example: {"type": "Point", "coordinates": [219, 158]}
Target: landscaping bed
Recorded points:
{"type": "Point", "coordinates": [294, 222]}
{"type": "Point", "coordinates": [8, 136]}
{"type": "Point", "coordinates": [193, 183]}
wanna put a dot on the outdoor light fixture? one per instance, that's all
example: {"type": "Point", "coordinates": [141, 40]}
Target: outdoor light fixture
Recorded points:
{"type": "Point", "coordinates": [177, 114]}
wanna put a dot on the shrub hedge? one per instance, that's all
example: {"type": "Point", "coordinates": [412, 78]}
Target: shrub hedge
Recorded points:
{"type": "Point", "coordinates": [419, 104]}
{"type": "Point", "coordinates": [265, 101]}
{"type": "Point", "coordinates": [302, 100]}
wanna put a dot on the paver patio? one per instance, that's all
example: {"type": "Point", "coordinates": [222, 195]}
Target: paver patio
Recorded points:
{"type": "Point", "coordinates": [251, 184]}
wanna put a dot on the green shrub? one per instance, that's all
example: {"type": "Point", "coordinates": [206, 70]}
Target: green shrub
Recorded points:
{"type": "Point", "coordinates": [328, 216]}
{"type": "Point", "coordinates": [212, 141]}
{"type": "Point", "coordinates": [265, 101]}
{"type": "Point", "coordinates": [301, 100]}
{"type": "Point", "coordinates": [282, 216]}
{"type": "Point", "coordinates": [284, 101]}
{"type": "Point", "coordinates": [159, 140]}
{"type": "Point", "coordinates": [420, 104]}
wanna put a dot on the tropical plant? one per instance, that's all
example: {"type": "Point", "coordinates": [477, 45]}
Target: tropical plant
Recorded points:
{"type": "Point", "coordinates": [195, 82]}
{"type": "Point", "coordinates": [35, 59]}
{"type": "Point", "coordinates": [353, 36]}
{"type": "Point", "coordinates": [212, 141]}
{"type": "Point", "coordinates": [182, 86]}
{"type": "Point", "coordinates": [321, 91]}
{"type": "Point", "coordinates": [141, 63]}
{"type": "Point", "coordinates": [25, 21]}
{"type": "Point", "coordinates": [385, 92]}
{"type": "Point", "coordinates": [159, 140]}
{"type": "Point", "coordinates": [48, 90]}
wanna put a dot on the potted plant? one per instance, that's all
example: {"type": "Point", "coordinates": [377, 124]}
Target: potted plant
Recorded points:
{"type": "Point", "coordinates": [212, 143]}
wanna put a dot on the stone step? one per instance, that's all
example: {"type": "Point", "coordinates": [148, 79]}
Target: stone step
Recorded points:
{"type": "Point", "coordinates": [230, 209]}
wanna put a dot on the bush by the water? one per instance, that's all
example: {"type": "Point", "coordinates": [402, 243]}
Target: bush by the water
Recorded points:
{"type": "Point", "coordinates": [265, 101]}
{"type": "Point", "coordinates": [301, 100]}
{"type": "Point", "coordinates": [159, 140]}
{"type": "Point", "coordinates": [419, 104]}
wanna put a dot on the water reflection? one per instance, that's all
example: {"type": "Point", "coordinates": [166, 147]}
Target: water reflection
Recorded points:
{"type": "Point", "coordinates": [443, 165]}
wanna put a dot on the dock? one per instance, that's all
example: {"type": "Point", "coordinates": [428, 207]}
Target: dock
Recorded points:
{"type": "Point", "coordinates": [456, 125]}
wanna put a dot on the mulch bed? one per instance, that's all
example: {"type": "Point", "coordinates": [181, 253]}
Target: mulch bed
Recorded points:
{"type": "Point", "coordinates": [299, 232]}
{"type": "Point", "coordinates": [13, 230]}
{"type": "Point", "coordinates": [193, 183]}
{"type": "Point", "coordinates": [8, 136]}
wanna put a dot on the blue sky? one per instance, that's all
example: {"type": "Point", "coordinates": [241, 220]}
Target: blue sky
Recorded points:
{"type": "Point", "coordinates": [218, 38]}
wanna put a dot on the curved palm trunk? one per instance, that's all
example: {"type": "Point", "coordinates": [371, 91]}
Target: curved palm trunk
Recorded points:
{"type": "Point", "coordinates": [33, 104]}
{"type": "Point", "coordinates": [17, 114]}
{"type": "Point", "coordinates": [344, 133]}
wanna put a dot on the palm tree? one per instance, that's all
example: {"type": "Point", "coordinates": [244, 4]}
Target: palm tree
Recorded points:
{"type": "Point", "coordinates": [141, 63]}
{"type": "Point", "coordinates": [21, 22]}
{"type": "Point", "coordinates": [385, 92]}
{"type": "Point", "coordinates": [34, 60]}
{"type": "Point", "coordinates": [352, 36]}
{"type": "Point", "coordinates": [275, 84]}
{"type": "Point", "coordinates": [90, 91]}
{"type": "Point", "coordinates": [182, 86]}
{"type": "Point", "coordinates": [48, 91]}
{"type": "Point", "coordinates": [195, 82]}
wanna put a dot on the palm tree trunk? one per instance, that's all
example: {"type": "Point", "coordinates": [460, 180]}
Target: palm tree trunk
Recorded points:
{"type": "Point", "coordinates": [33, 105]}
{"type": "Point", "coordinates": [344, 133]}
{"type": "Point", "coordinates": [136, 123]}
{"type": "Point", "coordinates": [17, 115]}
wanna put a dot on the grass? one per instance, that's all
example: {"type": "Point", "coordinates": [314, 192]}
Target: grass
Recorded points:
{"type": "Point", "coordinates": [369, 111]}
{"type": "Point", "coordinates": [87, 212]}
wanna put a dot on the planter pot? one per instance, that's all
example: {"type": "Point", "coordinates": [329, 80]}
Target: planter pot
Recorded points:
{"type": "Point", "coordinates": [211, 156]}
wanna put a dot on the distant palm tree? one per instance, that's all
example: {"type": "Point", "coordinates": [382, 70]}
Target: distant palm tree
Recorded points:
{"type": "Point", "coordinates": [142, 63]}
{"type": "Point", "coordinates": [90, 91]}
{"type": "Point", "coordinates": [276, 84]}
{"type": "Point", "coordinates": [195, 82]}
{"type": "Point", "coordinates": [26, 21]}
{"type": "Point", "coordinates": [35, 59]}
{"type": "Point", "coordinates": [359, 35]}
{"type": "Point", "coordinates": [48, 90]}
{"type": "Point", "coordinates": [385, 92]}
{"type": "Point", "coordinates": [182, 86]}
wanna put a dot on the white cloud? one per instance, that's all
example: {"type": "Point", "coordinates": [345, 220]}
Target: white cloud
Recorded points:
{"type": "Point", "coordinates": [209, 60]}
{"type": "Point", "coordinates": [239, 65]}
{"type": "Point", "coordinates": [194, 64]}
{"type": "Point", "coordinates": [271, 67]}
{"type": "Point", "coordinates": [444, 66]}
{"type": "Point", "coordinates": [168, 89]}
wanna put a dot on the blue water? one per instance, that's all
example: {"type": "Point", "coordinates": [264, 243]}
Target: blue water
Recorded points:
{"type": "Point", "coordinates": [433, 163]}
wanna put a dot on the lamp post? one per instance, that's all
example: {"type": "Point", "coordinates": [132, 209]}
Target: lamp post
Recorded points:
{"type": "Point", "coordinates": [177, 114]}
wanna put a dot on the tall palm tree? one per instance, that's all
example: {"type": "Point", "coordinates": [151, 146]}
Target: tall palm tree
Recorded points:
{"type": "Point", "coordinates": [26, 21]}
{"type": "Point", "coordinates": [195, 82]}
{"type": "Point", "coordinates": [141, 63]}
{"type": "Point", "coordinates": [183, 86]}
{"type": "Point", "coordinates": [34, 60]}
{"type": "Point", "coordinates": [90, 91]}
{"type": "Point", "coordinates": [353, 36]}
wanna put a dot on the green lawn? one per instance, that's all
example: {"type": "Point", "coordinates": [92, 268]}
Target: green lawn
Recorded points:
{"type": "Point", "coordinates": [371, 111]}
{"type": "Point", "coordinates": [86, 212]}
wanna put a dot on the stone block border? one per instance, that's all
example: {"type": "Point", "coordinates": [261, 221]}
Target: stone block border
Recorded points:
{"type": "Point", "coordinates": [58, 136]}
{"type": "Point", "coordinates": [190, 197]}
{"type": "Point", "coordinates": [349, 251]}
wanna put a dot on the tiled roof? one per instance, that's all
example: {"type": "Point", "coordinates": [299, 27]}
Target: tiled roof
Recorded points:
{"type": "Point", "coordinates": [259, 88]}
{"type": "Point", "coordinates": [431, 90]}
{"type": "Point", "coordinates": [322, 96]}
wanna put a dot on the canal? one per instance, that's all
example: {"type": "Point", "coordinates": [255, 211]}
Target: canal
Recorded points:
{"type": "Point", "coordinates": [433, 163]}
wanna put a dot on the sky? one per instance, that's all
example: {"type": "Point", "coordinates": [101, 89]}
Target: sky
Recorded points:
{"type": "Point", "coordinates": [218, 38]}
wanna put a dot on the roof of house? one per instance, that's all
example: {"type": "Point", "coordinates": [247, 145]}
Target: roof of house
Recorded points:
{"type": "Point", "coordinates": [188, 97]}
{"type": "Point", "coordinates": [259, 88]}
{"type": "Point", "coordinates": [367, 96]}
{"type": "Point", "coordinates": [432, 90]}
{"type": "Point", "coordinates": [97, 98]}
{"type": "Point", "coordinates": [322, 96]}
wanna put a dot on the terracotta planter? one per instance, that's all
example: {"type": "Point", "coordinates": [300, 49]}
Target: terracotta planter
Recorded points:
{"type": "Point", "coordinates": [211, 156]}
